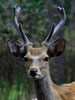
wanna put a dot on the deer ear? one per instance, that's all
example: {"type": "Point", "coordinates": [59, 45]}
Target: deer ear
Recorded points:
{"type": "Point", "coordinates": [56, 48]}
{"type": "Point", "coordinates": [17, 48]}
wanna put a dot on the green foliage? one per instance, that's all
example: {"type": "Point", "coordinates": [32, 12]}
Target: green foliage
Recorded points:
{"type": "Point", "coordinates": [14, 93]}
{"type": "Point", "coordinates": [68, 11]}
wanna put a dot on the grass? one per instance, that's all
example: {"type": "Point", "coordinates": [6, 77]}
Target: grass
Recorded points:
{"type": "Point", "coordinates": [15, 92]}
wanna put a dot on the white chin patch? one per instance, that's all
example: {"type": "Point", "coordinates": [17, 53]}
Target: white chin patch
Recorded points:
{"type": "Point", "coordinates": [37, 76]}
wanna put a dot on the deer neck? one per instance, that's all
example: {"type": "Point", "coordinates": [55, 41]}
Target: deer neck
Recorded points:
{"type": "Point", "coordinates": [44, 89]}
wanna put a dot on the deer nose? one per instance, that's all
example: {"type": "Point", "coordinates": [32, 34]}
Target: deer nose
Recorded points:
{"type": "Point", "coordinates": [33, 72]}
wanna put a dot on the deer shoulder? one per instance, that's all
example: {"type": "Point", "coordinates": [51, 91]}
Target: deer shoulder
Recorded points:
{"type": "Point", "coordinates": [64, 91]}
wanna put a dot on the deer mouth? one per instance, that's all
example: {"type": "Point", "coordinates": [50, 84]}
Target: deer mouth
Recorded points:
{"type": "Point", "coordinates": [37, 77]}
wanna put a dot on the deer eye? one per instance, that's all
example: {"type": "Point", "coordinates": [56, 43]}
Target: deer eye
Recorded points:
{"type": "Point", "coordinates": [46, 58]}
{"type": "Point", "coordinates": [25, 59]}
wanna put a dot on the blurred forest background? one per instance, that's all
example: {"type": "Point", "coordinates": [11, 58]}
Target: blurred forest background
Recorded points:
{"type": "Point", "coordinates": [36, 17]}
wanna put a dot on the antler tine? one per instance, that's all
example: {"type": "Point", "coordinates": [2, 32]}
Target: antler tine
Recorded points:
{"type": "Point", "coordinates": [26, 40]}
{"type": "Point", "coordinates": [59, 25]}
{"type": "Point", "coordinates": [16, 13]}
{"type": "Point", "coordinates": [49, 35]}
{"type": "Point", "coordinates": [62, 21]}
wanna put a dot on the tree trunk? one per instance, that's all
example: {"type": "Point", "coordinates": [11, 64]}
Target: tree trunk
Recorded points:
{"type": "Point", "coordinates": [73, 15]}
{"type": "Point", "coordinates": [72, 39]}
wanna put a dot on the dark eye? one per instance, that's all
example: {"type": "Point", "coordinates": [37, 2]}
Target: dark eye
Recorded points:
{"type": "Point", "coordinates": [25, 59]}
{"type": "Point", "coordinates": [46, 58]}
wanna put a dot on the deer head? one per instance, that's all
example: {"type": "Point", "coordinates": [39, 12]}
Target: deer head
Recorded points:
{"type": "Point", "coordinates": [37, 59]}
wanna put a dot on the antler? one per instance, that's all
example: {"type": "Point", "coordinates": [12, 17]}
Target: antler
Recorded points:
{"type": "Point", "coordinates": [18, 26]}
{"type": "Point", "coordinates": [54, 29]}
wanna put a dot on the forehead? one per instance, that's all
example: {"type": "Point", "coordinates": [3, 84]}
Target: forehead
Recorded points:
{"type": "Point", "coordinates": [36, 51]}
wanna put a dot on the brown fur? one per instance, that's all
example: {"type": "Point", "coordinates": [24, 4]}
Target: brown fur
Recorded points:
{"type": "Point", "coordinates": [62, 92]}
{"type": "Point", "coordinates": [36, 51]}
{"type": "Point", "coordinates": [65, 91]}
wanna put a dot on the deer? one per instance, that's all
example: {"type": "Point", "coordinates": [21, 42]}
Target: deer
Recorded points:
{"type": "Point", "coordinates": [37, 59]}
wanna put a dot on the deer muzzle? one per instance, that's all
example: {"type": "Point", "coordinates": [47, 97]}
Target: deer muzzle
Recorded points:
{"type": "Point", "coordinates": [33, 72]}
